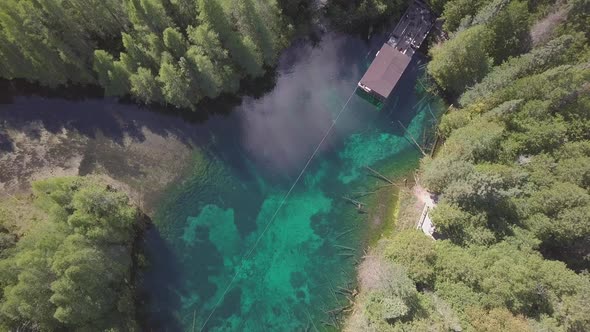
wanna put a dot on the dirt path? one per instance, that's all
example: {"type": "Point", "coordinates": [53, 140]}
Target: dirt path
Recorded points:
{"type": "Point", "coordinates": [423, 196]}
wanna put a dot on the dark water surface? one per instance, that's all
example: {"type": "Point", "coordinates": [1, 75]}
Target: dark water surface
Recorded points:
{"type": "Point", "coordinates": [225, 221]}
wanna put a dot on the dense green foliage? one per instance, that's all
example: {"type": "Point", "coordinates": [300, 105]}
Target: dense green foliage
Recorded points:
{"type": "Point", "coordinates": [512, 179]}
{"type": "Point", "coordinates": [358, 15]}
{"type": "Point", "coordinates": [507, 286]}
{"type": "Point", "coordinates": [173, 52]}
{"type": "Point", "coordinates": [353, 15]}
{"type": "Point", "coordinates": [73, 271]}
{"type": "Point", "coordinates": [516, 155]}
{"type": "Point", "coordinates": [459, 66]}
{"type": "Point", "coordinates": [489, 32]}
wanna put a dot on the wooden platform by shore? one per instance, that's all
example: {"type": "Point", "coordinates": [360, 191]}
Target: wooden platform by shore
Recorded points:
{"type": "Point", "coordinates": [395, 55]}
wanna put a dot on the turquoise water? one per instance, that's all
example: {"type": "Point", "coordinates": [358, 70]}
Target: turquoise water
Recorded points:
{"type": "Point", "coordinates": [231, 253]}
{"type": "Point", "coordinates": [212, 228]}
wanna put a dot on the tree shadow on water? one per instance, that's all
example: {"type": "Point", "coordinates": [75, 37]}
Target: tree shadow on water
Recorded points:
{"type": "Point", "coordinates": [158, 298]}
{"type": "Point", "coordinates": [85, 110]}
{"type": "Point", "coordinates": [400, 108]}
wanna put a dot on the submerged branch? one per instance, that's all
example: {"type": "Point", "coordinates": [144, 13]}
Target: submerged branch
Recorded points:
{"type": "Point", "coordinates": [379, 175]}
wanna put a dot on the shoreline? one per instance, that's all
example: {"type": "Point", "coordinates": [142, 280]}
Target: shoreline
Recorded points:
{"type": "Point", "coordinates": [407, 212]}
{"type": "Point", "coordinates": [140, 154]}
{"type": "Point", "coordinates": [404, 211]}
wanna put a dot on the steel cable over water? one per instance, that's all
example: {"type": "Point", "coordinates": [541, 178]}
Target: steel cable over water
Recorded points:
{"type": "Point", "coordinates": [272, 219]}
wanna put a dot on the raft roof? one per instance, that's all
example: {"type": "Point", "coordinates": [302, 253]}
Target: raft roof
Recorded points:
{"type": "Point", "coordinates": [385, 71]}
{"type": "Point", "coordinates": [395, 55]}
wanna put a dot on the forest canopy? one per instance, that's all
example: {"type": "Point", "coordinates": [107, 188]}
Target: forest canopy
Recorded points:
{"type": "Point", "coordinates": [173, 52]}
{"type": "Point", "coordinates": [517, 150]}
{"type": "Point", "coordinates": [360, 14]}
{"type": "Point", "coordinates": [72, 269]}
{"type": "Point", "coordinates": [512, 181]}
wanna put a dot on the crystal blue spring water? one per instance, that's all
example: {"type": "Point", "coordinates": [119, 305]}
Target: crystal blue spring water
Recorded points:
{"type": "Point", "coordinates": [242, 165]}
{"type": "Point", "coordinates": [226, 203]}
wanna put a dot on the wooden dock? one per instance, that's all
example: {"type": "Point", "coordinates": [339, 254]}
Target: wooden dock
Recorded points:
{"type": "Point", "coordinates": [395, 55]}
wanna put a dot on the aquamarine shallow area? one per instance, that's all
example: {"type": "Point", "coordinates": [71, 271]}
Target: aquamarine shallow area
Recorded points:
{"type": "Point", "coordinates": [228, 222]}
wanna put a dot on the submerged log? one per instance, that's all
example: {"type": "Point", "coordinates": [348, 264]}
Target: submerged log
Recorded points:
{"type": "Point", "coordinates": [331, 288]}
{"type": "Point", "coordinates": [338, 310]}
{"type": "Point", "coordinates": [364, 193]}
{"type": "Point", "coordinates": [311, 321]}
{"type": "Point", "coordinates": [346, 255]}
{"type": "Point", "coordinates": [344, 233]}
{"type": "Point", "coordinates": [345, 289]}
{"type": "Point", "coordinates": [412, 138]}
{"type": "Point", "coordinates": [359, 205]}
{"type": "Point", "coordinates": [434, 145]}
{"type": "Point", "coordinates": [379, 175]}
{"type": "Point", "coordinates": [337, 322]}
{"type": "Point", "coordinates": [328, 324]}
{"type": "Point", "coordinates": [344, 247]}
{"type": "Point", "coordinates": [343, 293]}
{"type": "Point", "coordinates": [388, 185]}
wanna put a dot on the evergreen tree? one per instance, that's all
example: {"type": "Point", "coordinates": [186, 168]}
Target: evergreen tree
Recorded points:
{"type": "Point", "coordinates": [204, 72]}
{"type": "Point", "coordinates": [462, 61]}
{"type": "Point", "coordinates": [511, 32]}
{"type": "Point", "coordinates": [207, 41]}
{"type": "Point", "coordinates": [57, 42]}
{"type": "Point", "coordinates": [149, 14]}
{"type": "Point", "coordinates": [145, 87]}
{"type": "Point", "coordinates": [175, 82]}
{"type": "Point", "coordinates": [242, 49]}
{"type": "Point", "coordinates": [112, 75]}
{"type": "Point", "coordinates": [175, 42]}
{"type": "Point", "coordinates": [72, 271]}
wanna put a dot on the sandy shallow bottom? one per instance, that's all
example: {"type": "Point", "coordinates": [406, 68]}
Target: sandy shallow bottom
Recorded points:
{"type": "Point", "coordinates": [141, 167]}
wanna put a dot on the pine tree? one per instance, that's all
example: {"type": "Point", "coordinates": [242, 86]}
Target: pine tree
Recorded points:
{"type": "Point", "coordinates": [175, 81]}
{"type": "Point", "coordinates": [145, 87]}
{"type": "Point", "coordinates": [112, 75]}
{"type": "Point", "coordinates": [242, 50]}
{"type": "Point", "coordinates": [150, 14]}
{"type": "Point", "coordinates": [258, 28]}
{"type": "Point", "coordinates": [57, 42]}
{"type": "Point", "coordinates": [175, 42]}
{"type": "Point", "coordinates": [204, 72]}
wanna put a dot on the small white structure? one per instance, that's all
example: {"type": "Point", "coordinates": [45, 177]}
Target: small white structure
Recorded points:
{"type": "Point", "coordinates": [424, 223]}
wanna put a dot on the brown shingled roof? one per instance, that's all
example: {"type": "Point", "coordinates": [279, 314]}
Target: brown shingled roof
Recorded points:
{"type": "Point", "coordinates": [385, 71]}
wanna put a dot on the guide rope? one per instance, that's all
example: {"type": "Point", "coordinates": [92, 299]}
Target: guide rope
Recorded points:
{"type": "Point", "coordinates": [272, 219]}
